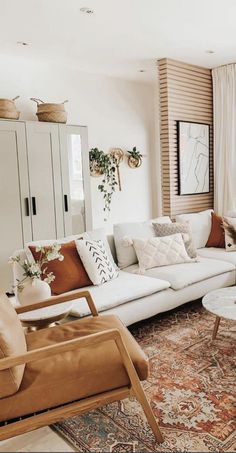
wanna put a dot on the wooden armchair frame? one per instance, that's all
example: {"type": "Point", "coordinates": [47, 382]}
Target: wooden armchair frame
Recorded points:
{"type": "Point", "coordinates": [50, 416]}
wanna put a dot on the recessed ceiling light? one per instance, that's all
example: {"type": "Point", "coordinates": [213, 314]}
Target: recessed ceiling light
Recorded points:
{"type": "Point", "coordinates": [210, 51]}
{"type": "Point", "coordinates": [22, 43]}
{"type": "Point", "coordinates": [86, 10]}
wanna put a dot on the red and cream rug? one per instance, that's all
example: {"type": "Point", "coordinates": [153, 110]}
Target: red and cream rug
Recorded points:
{"type": "Point", "coordinates": [192, 390]}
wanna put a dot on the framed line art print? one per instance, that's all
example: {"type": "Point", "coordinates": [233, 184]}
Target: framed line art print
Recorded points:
{"type": "Point", "coordinates": [193, 157]}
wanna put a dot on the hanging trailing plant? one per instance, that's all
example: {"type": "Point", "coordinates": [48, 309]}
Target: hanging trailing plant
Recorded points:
{"type": "Point", "coordinates": [104, 165]}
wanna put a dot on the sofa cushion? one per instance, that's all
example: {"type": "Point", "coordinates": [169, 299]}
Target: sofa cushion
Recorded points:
{"type": "Point", "coordinates": [167, 229]}
{"type": "Point", "coordinates": [218, 254]}
{"type": "Point", "coordinates": [230, 233]}
{"type": "Point", "coordinates": [182, 275]}
{"type": "Point", "coordinates": [126, 255]}
{"type": "Point", "coordinates": [73, 375]}
{"type": "Point", "coordinates": [12, 342]}
{"type": "Point", "coordinates": [217, 234]}
{"type": "Point", "coordinates": [124, 288]}
{"type": "Point", "coordinates": [160, 251]}
{"type": "Point", "coordinates": [98, 234]}
{"type": "Point", "coordinates": [96, 261]}
{"type": "Point", "coordinates": [200, 224]}
{"type": "Point", "coordinates": [70, 273]}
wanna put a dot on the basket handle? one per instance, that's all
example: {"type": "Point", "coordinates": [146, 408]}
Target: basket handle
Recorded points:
{"type": "Point", "coordinates": [14, 99]}
{"type": "Point", "coordinates": [38, 101]}
{"type": "Point", "coordinates": [65, 101]}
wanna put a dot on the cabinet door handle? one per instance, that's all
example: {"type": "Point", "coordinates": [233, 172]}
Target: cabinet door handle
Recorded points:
{"type": "Point", "coordinates": [27, 206]}
{"type": "Point", "coordinates": [34, 206]}
{"type": "Point", "coordinates": [66, 203]}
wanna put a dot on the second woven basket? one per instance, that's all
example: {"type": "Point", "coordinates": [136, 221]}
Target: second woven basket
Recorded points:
{"type": "Point", "coordinates": [50, 112]}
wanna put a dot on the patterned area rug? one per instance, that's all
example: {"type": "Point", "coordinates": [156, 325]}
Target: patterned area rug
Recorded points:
{"type": "Point", "coordinates": [192, 390]}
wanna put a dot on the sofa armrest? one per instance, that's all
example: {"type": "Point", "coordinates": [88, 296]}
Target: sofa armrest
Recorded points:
{"type": "Point", "coordinates": [59, 300]}
{"type": "Point", "coordinates": [59, 348]}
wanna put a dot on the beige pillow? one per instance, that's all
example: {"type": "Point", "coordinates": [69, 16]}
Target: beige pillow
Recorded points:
{"type": "Point", "coordinates": [12, 342]}
{"type": "Point", "coordinates": [162, 251]}
{"type": "Point", "coordinates": [167, 229]}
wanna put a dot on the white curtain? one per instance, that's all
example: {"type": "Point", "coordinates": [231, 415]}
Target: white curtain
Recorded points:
{"type": "Point", "coordinates": [224, 95]}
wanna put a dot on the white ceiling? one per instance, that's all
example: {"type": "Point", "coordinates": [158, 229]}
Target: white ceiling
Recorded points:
{"type": "Point", "coordinates": [122, 36]}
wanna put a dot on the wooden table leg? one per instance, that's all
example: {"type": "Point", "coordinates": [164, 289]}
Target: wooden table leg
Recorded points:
{"type": "Point", "coordinates": [216, 327]}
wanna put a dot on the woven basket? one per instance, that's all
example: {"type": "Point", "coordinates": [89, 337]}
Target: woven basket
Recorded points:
{"type": "Point", "coordinates": [8, 109]}
{"type": "Point", "coordinates": [52, 117]}
{"type": "Point", "coordinates": [50, 112]}
{"type": "Point", "coordinates": [9, 114]}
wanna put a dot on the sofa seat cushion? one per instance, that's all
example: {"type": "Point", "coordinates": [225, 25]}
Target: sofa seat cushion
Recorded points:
{"type": "Point", "coordinates": [182, 275]}
{"type": "Point", "coordinates": [218, 254]}
{"type": "Point", "coordinates": [73, 375]}
{"type": "Point", "coordinates": [123, 289]}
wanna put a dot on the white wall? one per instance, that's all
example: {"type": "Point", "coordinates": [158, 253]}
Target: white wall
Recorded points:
{"type": "Point", "coordinates": [118, 113]}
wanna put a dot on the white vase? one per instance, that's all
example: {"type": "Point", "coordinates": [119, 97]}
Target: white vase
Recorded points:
{"type": "Point", "coordinates": [34, 290]}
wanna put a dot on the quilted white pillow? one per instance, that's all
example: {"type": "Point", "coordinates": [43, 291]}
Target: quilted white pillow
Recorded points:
{"type": "Point", "coordinates": [124, 249]}
{"type": "Point", "coordinates": [96, 261]}
{"type": "Point", "coordinates": [160, 251]}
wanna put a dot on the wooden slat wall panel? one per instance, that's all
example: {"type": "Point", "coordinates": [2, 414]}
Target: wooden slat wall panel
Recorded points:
{"type": "Point", "coordinates": [185, 94]}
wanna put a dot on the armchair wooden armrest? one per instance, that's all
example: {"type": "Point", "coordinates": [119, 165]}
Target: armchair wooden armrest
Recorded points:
{"type": "Point", "coordinates": [64, 346]}
{"type": "Point", "coordinates": [59, 300]}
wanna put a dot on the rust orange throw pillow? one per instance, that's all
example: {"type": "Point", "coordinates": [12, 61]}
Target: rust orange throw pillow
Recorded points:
{"type": "Point", "coordinates": [70, 273]}
{"type": "Point", "coordinates": [217, 234]}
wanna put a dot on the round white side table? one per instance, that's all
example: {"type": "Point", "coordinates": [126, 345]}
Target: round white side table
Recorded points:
{"type": "Point", "coordinates": [44, 317]}
{"type": "Point", "coordinates": [222, 303]}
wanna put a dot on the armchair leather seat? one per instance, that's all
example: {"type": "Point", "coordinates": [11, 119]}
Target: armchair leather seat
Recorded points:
{"type": "Point", "coordinates": [76, 374]}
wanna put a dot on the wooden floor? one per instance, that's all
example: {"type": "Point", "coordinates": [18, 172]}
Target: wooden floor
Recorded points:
{"type": "Point", "coordinates": [41, 440]}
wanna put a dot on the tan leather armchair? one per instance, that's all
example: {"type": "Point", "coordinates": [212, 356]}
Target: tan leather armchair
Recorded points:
{"type": "Point", "coordinates": [52, 374]}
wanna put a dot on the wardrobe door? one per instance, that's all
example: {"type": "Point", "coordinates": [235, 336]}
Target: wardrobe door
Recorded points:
{"type": "Point", "coordinates": [45, 180]}
{"type": "Point", "coordinates": [75, 179]}
{"type": "Point", "coordinates": [15, 224]}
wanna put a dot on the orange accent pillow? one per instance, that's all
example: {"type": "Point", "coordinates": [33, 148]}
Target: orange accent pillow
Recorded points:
{"type": "Point", "coordinates": [70, 273]}
{"type": "Point", "coordinates": [217, 234]}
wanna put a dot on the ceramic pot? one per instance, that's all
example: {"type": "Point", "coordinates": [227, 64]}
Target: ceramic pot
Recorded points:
{"type": "Point", "coordinates": [34, 290]}
{"type": "Point", "coordinates": [134, 162]}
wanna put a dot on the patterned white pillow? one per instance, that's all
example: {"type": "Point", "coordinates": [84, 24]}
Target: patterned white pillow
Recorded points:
{"type": "Point", "coordinates": [160, 251]}
{"type": "Point", "coordinates": [96, 261]}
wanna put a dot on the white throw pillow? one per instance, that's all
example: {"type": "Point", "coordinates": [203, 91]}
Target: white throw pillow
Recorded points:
{"type": "Point", "coordinates": [160, 251]}
{"type": "Point", "coordinates": [200, 224]}
{"type": "Point", "coordinates": [100, 234]}
{"type": "Point", "coordinates": [229, 224]}
{"type": "Point", "coordinates": [96, 261]}
{"type": "Point", "coordinates": [124, 249]}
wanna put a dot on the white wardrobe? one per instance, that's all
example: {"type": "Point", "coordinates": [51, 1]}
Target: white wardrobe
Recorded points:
{"type": "Point", "coordinates": [44, 185]}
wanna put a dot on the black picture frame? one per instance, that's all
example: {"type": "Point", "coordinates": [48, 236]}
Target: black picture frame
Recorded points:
{"type": "Point", "coordinates": [179, 158]}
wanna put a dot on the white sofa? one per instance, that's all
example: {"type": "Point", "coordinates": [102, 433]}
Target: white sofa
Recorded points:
{"type": "Point", "coordinates": [135, 297]}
